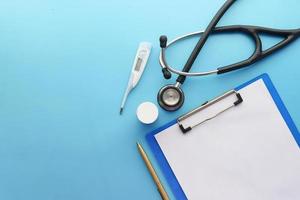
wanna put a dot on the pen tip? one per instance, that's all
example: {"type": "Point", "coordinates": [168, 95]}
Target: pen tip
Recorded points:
{"type": "Point", "coordinates": [121, 110]}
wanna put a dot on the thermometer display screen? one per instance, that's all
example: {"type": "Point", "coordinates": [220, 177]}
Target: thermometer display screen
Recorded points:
{"type": "Point", "coordinates": [138, 64]}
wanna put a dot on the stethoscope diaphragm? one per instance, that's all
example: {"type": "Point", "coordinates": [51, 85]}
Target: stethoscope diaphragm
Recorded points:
{"type": "Point", "coordinates": [170, 97]}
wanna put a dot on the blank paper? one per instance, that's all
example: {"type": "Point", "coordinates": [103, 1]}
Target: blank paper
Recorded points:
{"type": "Point", "coordinates": [246, 153]}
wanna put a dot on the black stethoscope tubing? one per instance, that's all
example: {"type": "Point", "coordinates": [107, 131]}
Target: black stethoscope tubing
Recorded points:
{"type": "Point", "coordinates": [258, 54]}
{"type": "Point", "coordinates": [253, 32]}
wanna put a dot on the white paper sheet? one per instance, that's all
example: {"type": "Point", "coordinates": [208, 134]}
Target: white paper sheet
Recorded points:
{"type": "Point", "coordinates": [246, 153]}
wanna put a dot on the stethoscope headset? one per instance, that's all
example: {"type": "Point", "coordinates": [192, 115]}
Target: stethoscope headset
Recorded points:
{"type": "Point", "coordinates": [171, 97]}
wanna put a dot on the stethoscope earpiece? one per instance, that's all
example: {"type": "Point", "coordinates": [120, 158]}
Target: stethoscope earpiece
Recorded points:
{"type": "Point", "coordinates": [167, 74]}
{"type": "Point", "coordinates": [163, 41]}
{"type": "Point", "coordinates": [163, 44]}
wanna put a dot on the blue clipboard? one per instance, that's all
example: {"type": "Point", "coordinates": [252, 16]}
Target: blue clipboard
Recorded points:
{"type": "Point", "coordinates": [163, 163]}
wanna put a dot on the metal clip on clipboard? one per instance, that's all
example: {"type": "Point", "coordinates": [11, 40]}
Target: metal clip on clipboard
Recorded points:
{"type": "Point", "coordinates": [238, 100]}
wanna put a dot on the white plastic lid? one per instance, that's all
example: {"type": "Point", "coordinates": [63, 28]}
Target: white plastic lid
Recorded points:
{"type": "Point", "coordinates": [147, 112]}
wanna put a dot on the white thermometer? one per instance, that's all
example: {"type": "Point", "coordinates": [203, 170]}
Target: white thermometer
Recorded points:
{"type": "Point", "coordinates": [137, 70]}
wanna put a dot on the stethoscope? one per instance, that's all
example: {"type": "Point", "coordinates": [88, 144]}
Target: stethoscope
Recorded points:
{"type": "Point", "coordinates": [171, 97]}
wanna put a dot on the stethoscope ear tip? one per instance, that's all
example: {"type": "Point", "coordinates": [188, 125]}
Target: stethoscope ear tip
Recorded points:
{"type": "Point", "coordinates": [167, 74]}
{"type": "Point", "coordinates": [163, 41]}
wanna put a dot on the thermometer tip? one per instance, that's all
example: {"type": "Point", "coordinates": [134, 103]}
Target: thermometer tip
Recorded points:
{"type": "Point", "coordinates": [121, 110]}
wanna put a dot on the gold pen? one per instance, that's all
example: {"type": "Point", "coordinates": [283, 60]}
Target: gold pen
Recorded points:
{"type": "Point", "coordinates": [160, 187]}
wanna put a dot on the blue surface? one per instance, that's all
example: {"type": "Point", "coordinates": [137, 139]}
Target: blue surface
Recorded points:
{"type": "Point", "coordinates": [64, 66]}
{"type": "Point", "coordinates": [161, 159]}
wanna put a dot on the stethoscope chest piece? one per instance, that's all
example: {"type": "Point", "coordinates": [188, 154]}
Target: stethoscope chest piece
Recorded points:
{"type": "Point", "coordinates": [170, 97]}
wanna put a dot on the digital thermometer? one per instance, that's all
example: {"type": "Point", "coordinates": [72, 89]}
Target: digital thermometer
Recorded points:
{"type": "Point", "coordinates": [138, 67]}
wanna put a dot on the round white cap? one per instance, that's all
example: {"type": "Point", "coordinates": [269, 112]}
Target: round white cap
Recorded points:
{"type": "Point", "coordinates": [147, 112]}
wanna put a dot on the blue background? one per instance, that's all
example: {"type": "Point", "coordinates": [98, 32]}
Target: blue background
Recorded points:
{"type": "Point", "coordinates": [64, 66]}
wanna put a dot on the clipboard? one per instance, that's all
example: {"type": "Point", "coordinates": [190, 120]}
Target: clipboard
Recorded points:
{"type": "Point", "coordinates": [187, 128]}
